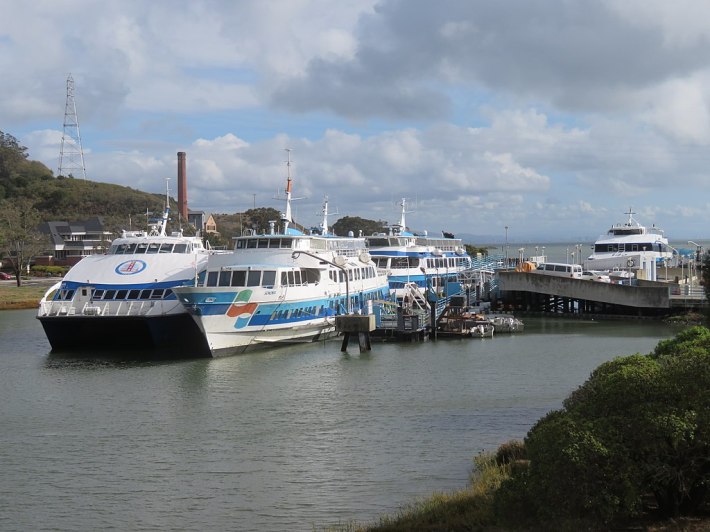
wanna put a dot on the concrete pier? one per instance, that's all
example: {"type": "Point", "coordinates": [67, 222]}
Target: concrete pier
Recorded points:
{"type": "Point", "coordinates": [355, 324]}
{"type": "Point", "coordinates": [546, 293]}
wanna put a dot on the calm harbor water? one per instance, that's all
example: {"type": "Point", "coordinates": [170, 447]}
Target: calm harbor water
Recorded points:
{"type": "Point", "coordinates": [293, 439]}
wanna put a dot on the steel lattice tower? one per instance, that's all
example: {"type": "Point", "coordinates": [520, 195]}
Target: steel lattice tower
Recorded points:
{"type": "Point", "coordinates": [71, 154]}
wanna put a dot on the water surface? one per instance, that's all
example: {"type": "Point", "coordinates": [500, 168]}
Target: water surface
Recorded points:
{"type": "Point", "coordinates": [290, 439]}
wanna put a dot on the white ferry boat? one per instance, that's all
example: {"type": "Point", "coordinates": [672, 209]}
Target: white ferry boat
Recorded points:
{"type": "Point", "coordinates": [282, 287]}
{"type": "Point", "coordinates": [630, 246]}
{"type": "Point", "coordinates": [417, 259]}
{"type": "Point", "coordinates": [124, 298]}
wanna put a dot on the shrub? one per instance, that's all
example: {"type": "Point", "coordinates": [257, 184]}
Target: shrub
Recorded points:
{"type": "Point", "coordinates": [510, 452]}
{"type": "Point", "coordinates": [48, 271]}
{"type": "Point", "coordinates": [640, 425]}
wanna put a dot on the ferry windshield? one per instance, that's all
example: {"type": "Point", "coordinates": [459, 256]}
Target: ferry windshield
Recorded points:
{"type": "Point", "coordinates": [152, 247]}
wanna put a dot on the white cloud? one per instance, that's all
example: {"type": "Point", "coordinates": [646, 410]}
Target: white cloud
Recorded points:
{"type": "Point", "coordinates": [479, 111]}
{"type": "Point", "coordinates": [680, 108]}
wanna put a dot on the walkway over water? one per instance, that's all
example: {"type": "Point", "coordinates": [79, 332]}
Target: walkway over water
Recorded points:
{"type": "Point", "coordinates": [532, 291]}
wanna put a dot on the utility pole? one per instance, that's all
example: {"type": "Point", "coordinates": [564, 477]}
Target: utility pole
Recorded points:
{"type": "Point", "coordinates": [71, 153]}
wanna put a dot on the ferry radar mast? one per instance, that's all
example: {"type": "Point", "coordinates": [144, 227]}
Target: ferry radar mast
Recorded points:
{"type": "Point", "coordinates": [286, 217]}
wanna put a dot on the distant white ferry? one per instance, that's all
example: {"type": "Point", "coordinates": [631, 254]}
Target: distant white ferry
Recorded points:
{"type": "Point", "coordinates": [124, 298]}
{"type": "Point", "coordinates": [282, 287]}
{"type": "Point", "coordinates": [630, 246]}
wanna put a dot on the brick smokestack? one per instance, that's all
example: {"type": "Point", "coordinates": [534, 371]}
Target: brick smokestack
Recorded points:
{"type": "Point", "coordinates": [182, 185]}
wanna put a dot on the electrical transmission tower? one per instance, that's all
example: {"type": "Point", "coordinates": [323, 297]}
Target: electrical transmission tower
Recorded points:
{"type": "Point", "coordinates": [71, 154]}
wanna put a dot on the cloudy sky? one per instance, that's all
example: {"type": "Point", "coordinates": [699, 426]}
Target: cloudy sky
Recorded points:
{"type": "Point", "coordinates": [551, 117]}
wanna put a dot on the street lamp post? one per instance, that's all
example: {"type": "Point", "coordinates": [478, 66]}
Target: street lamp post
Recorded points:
{"type": "Point", "coordinates": [697, 261]}
{"type": "Point", "coordinates": [295, 255]}
{"type": "Point", "coordinates": [506, 246]}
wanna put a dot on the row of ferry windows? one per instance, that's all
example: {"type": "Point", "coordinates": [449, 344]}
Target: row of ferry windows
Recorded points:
{"type": "Point", "coordinates": [264, 243]}
{"type": "Point", "coordinates": [414, 262]}
{"type": "Point", "coordinates": [646, 246]}
{"type": "Point", "coordinates": [145, 247]}
{"type": "Point", "coordinates": [354, 274]}
{"type": "Point", "coordinates": [267, 278]}
{"type": "Point", "coordinates": [131, 295]}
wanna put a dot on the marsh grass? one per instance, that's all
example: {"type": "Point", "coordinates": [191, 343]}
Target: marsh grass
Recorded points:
{"type": "Point", "coordinates": [467, 509]}
{"type": "Point", "coordinates": [21, 297]}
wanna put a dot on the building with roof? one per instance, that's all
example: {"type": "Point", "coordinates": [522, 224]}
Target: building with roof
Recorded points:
{"type": "Point", "coordinates": [72, 241]}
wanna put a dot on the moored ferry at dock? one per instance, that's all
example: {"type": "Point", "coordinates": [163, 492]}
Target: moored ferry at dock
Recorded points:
{"type": "Point", "coordinates": [630, 246]}
{"type": "Point", "coordinates": [411, 258]}
{"type": "Point", "coordinates": [125, 299]}
{"type": "Point", "coordinates": [282, 287]}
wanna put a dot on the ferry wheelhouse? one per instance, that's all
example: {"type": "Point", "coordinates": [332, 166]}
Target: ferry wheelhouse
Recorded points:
{"type": "Point", "coordinates": [124, 298]}
{"type": "Point", "coordinates": [425, 261]}
{"type": "Point", "coordinates": [282, 287]}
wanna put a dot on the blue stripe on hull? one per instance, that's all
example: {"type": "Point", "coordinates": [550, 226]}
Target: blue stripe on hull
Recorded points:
{"type": "Point", "coordinates": [276, 313]}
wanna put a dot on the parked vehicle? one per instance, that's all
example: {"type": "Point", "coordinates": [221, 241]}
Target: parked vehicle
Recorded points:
{"type": "Point", "coordinates": [560, 270]}
{"type": "Point", "coordinates": [601, 277]}
{"type": "Point", "coordinates": [5, 277]}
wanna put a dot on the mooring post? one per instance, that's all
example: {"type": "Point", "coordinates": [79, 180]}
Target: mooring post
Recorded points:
{"type": "Point", "coordinates": [364, 341]}
{"type": "Point", "coordinates": [355, 323]}
{"type": "Point", "coordinates": [346, 339]}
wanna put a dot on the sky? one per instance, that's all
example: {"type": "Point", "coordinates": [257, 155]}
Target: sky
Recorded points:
{"type": "Point", "coordinates": [551, 118]}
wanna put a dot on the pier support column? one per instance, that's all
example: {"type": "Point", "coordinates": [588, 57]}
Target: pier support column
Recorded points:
{"type": "Point", "coordinates": [355, 323]}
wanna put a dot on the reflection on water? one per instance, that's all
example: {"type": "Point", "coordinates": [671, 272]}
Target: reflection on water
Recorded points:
{"type": "Point", "coordinates": [286, 439]}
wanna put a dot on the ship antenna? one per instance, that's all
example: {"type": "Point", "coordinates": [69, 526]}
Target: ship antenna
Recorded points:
{"type": "Point", "coordinates": [166, 211]}
{"type": "Point", "coordinates": [324, 223]}
{"type": "Point", "coordinates": [402, 222]}
{"type": "Point", "coordinates": [631, 217]}
{"type": "Point", "coordinates": [286, 217]}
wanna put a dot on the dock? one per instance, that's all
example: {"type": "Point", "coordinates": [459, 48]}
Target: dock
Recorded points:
{"type": "Point", "coordinates": [532, 292]}
{"type": "Point", "coordinates": [452, 318]}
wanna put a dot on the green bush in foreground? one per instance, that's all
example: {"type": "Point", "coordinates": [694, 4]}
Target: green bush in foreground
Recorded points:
{"type": "Point", "coordinates": [638, 427]}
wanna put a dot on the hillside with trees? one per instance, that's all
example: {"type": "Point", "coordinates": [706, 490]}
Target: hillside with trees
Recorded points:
{"type": "Point", "coordinates": [50, 198]}
{"type": "Point", "coordinates": [66, 198]}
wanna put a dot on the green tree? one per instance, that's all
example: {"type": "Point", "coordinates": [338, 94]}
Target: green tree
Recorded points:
{"type": "Point", "coordinates": [259, 218]}
{"type": "Point", "coordinates": [473, 250]}
{"type": "Point", "coordinates": [356, 224]}
{"type": "Point", "coordinates": [12, 154]}
{"type": "Point", "coordinates": [19, 235]}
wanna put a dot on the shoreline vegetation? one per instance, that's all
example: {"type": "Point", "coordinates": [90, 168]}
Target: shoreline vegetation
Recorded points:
{"type": "Point", "coordinates": [27, 296]}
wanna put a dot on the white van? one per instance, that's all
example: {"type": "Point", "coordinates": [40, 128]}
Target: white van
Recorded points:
{"type": "Point", "coordinates": [560, 270]}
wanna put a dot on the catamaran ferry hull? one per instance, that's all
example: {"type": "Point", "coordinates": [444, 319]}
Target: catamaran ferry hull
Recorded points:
{"type": "Point", "coordinates": [174, 335]}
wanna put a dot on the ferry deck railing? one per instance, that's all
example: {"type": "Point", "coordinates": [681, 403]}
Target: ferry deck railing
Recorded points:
{"type": "Point", "coordinates": [104, 308]}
